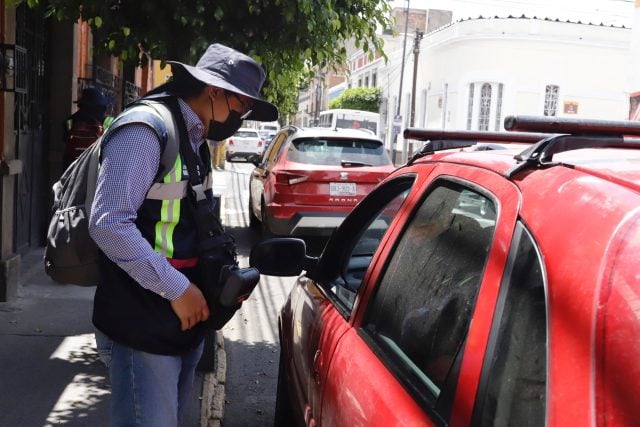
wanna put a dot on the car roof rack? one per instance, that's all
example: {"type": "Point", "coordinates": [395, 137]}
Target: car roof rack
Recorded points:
{"type": "Point", "coordinates": [571, 134]}
{"type": "Point", "coordinates": [438, 140]}
{"type": "Point", "coordinates": [550, 135]}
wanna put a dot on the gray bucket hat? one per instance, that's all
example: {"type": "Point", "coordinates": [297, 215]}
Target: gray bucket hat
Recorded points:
{"type": "Point", "coordinates": [226, 68]}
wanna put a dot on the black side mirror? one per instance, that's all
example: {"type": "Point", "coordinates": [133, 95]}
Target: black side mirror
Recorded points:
{"type": "Point", "coordinates": [284, 256]}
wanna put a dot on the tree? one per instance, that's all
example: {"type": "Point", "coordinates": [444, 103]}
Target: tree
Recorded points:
{"type": "Point", "coordinates": [359, 98]}
{"type": "Point", "coordinates": [288, 37]}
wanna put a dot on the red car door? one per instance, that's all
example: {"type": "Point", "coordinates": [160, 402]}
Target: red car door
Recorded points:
{"type": "Point", "coordinates": [410, 354]}
{"type": "Point", "coordinates": [317, 317]}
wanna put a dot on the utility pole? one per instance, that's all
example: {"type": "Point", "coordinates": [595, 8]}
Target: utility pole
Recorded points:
{"type": "Point", "coordinates": [399, 106]}
{"type": "Point", "coordinates": [416, 52]}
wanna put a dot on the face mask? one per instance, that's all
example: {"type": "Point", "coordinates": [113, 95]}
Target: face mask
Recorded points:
{"type": "Point", "coordinates": [219, 131]}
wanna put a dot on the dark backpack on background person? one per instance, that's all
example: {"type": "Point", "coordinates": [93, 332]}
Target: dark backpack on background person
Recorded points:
{"type": "Point", "coordinates": [71, 255]}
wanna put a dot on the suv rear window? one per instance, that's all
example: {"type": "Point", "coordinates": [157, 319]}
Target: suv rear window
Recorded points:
{"type": "Point", "coordinates": [246, 134]}
{"type": "Point", "coordinates": [332, 152]}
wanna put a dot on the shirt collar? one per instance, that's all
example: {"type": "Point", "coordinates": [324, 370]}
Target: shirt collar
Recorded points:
{"type": "Point", "coordinates": [195, 127]}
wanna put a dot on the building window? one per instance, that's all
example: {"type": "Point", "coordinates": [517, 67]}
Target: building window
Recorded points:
{"type": "Point", "coordinates": [360, 82]}
{"type": "Point", "coordinates": [470, 112]}
{"type": "Point", "coordinates": [499, 107]}
{"type": "Point", "coordinates": [366, 81]}
{"type": "Point", "coordinates": [485, 107]}
{"type": "Point", "coordinates": [374, 79]}
{"type": "Point", "coordinates": [551, 100]}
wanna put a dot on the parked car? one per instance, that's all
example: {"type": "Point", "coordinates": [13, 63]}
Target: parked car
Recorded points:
{"type": "Point", "coordinates": [309, 179]}
{"type": "Point", "coordinates": [491, 281]}
{"type": "Point", "coordinates": [244, 143]}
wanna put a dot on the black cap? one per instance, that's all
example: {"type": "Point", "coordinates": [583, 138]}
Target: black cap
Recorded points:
{"type": "Point", "coordinates": [93, 97]}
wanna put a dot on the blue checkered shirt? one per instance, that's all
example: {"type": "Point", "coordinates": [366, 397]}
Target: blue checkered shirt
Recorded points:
{"type": "Point", "coordinates": [130, 160]}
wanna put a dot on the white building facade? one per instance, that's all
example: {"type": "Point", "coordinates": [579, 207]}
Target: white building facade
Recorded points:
{"type": "Point", "coordinates": [473, 73]}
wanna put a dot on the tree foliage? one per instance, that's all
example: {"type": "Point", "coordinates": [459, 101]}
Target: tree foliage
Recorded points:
{"type": "Point", "coordinates": [288, 37]}
{"type": "Point", "coordinates": [359, 98]}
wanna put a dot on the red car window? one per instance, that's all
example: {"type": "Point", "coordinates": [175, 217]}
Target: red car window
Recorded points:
{"type": "Point", "coordinates": [513, 386]}
{"type": "Point", "coordinates": [421, 312]}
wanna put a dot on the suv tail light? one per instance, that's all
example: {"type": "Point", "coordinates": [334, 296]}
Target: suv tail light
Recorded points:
{"type": "Point", "coordinates": [288, 178]}
{"type": "Point", "coordinates": [259, 143]}
{"type": "Point", "coordinates": [230, 141]}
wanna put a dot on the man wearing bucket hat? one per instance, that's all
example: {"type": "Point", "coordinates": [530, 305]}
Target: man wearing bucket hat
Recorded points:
{"type": "Point", "coordinates": [148, 309]}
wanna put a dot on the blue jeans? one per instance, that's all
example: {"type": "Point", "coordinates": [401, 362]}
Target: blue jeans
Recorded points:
{"type": "Point", "coordinates": [147, 389]}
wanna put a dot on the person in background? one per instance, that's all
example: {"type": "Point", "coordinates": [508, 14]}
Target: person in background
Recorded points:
{"type": "Point", "coordinates": [217, 150]}
{"type": "Point", "coordinates": [87, 124]}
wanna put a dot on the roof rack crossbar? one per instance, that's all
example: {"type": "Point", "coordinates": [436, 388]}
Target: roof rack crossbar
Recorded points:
{"type": "Point", "coordinates": [432, 146]}
{"type": "Point", "coordinates": [476, 136]}
{"type": "Point", "coordinates": [560, 125]}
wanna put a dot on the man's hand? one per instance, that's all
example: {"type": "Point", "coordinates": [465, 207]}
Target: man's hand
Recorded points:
{"type": "Point", "coordinates": [190, 307]}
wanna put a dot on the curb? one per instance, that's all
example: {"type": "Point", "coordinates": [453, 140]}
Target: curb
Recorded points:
{"type": "Point", "coordinates": [213, 388]}
{"type": "Point", "coordinates": [213, 385]}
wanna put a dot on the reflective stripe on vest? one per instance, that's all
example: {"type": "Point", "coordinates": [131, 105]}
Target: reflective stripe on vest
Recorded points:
{"type": "Point", "coordinates": [174, 190]}
{"type": "Point", "coordinates": [169, 214]}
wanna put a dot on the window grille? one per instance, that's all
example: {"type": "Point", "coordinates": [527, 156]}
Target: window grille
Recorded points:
{"type": "Point", "coordinates": [551, 100]}
{"type": "Point", "coordinates": [470, 112]}
{"type": "Point", "coordinates": [485, 107]}
{"type": "Point", "coordinates": [499, 106]}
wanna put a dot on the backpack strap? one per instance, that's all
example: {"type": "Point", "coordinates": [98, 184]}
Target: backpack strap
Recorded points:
{"type": "Point", "coordinates": [92, 173]}
{"type": "Point", "coordinates": [172, 147]}
{"type": "Point", "coordinates": [158, 117]}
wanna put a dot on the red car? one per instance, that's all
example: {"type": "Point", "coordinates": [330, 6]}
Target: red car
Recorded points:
{"type": "Point", "coordinates": [493, 280]}
{"type": "Point", "coordinates": [309, 179]}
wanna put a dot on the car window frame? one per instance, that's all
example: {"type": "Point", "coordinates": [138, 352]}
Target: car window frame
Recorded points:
{"type": "Point", "coordinates": [449, 392]}
{"type": "Point", "coordinates": [271, 153]}
{"type": "Point", "coordinates": [521, 232]}
{"type": "Point", "coordinates": [337, 253]}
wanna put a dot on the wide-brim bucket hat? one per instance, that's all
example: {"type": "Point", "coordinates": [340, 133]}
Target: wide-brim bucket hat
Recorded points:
{"type": "Point", "coordinates": [226, 68]}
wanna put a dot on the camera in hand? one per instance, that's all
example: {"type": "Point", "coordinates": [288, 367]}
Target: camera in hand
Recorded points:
{"type": "Point", "coordinates": [238, 284]}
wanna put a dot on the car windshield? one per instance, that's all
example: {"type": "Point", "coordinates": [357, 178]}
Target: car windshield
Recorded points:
{"type": "Point", "coordinates": [246, 134]}
{"type": "Point", "coordinates": [338, 152]}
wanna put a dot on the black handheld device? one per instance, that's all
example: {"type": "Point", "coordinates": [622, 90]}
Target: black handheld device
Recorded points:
{"type": "Point", "coordinates": [238, 284]}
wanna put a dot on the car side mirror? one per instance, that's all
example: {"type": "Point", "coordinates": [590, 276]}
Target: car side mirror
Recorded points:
{"type": "Point", "coordinates": [283, 256]}
{"type": "Point", "coordinates": [256, 159]}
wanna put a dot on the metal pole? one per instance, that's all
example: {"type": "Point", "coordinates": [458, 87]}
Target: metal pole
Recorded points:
{"type": "Point", "coordinates": [416, 52]}
{"type": "Point", "coordinates": [404, 49]}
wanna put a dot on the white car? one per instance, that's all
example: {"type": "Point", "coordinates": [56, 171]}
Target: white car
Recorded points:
{"type": "Point", "coordinates": [244, 143]}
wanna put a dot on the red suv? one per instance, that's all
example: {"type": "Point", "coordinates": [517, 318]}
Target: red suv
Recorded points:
{"type": "Point", "coordinates": [492, 280]}
{"type": "Point", "coordinates": [309, 179]}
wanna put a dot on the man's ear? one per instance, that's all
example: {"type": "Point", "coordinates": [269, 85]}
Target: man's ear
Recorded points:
{"type": "Point", "coordinates": [215, 92]}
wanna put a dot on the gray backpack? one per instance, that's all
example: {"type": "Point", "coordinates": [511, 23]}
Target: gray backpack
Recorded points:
{"type": "Point", "coordinates": [71, 256]}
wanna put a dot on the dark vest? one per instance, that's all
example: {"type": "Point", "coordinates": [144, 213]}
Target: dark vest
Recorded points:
{"type": "Point", "coordinates": [123, 309]}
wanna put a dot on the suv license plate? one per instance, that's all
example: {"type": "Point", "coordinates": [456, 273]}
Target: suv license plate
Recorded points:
{"type": "Point", "coordinates": [342, 188]}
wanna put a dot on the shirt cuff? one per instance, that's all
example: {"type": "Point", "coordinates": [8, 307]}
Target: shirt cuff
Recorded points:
{"type": "Point", "coordinates": [180, 285]}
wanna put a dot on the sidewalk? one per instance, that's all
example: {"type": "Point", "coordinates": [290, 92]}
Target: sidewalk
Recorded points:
{"type": "Point", "coordinates": [49, 367]}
